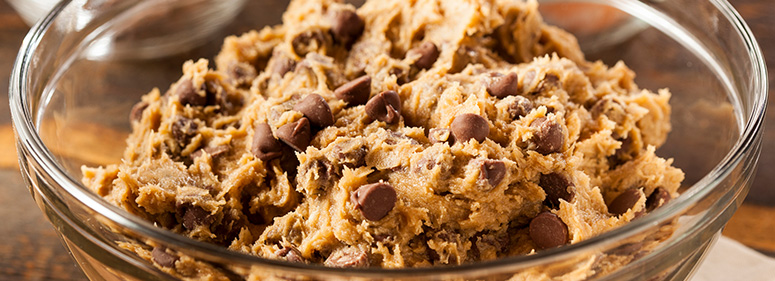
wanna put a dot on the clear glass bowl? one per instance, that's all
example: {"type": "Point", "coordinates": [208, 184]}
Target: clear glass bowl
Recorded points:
{"type": "Point", "coordinates": [163, 29]}
{"type": "Point", "coordinates": [72, 88]}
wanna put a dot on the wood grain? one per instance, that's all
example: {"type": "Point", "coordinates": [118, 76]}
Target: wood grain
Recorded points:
{"type": "Point", "coordinates": [753, 226]}
{"type": "Point", "coordinates": [29, 247]}
{"type": "Point", "coordinates": [759, 16]}
{"type": "Point", "coordinates": [7, 148]}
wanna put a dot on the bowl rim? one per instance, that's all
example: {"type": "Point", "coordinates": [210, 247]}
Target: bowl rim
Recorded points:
{"type": "Point", "coordinates": [29, 141]}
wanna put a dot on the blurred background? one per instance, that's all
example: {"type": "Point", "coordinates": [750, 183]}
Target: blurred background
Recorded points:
{"type": "Point", "coordinates": [30, 249]}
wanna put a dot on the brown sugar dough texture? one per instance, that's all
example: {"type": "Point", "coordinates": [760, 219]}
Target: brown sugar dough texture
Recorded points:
{"type": "Point", "coordinates": [570, 138]}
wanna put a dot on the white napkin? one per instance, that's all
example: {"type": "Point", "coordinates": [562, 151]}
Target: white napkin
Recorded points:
{"type": "Point", "coordinates": [32, 10]}
{"type": "Point", "coordinates": [730, 260]}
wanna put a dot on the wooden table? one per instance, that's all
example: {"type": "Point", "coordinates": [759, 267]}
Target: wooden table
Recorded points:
{"type": "Point", "coordinates": [30, 249]}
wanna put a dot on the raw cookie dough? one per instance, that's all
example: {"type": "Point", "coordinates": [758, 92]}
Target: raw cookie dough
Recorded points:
{"type": "Point", "coordinates": [400, 134]}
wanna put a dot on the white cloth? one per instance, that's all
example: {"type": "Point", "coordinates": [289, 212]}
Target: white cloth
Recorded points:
{"type": "Point", "coordinates": [730, 260]}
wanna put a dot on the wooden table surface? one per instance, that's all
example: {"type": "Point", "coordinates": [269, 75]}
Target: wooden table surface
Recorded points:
{"type": "Point", "coordinates": [31, 250]}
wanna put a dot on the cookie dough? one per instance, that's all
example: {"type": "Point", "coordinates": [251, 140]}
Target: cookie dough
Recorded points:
{"type": "Point", "coordinates": [398, 134]}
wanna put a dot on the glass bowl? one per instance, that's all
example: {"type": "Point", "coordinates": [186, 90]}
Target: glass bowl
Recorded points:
{"type": "Point", "coordinates": [73, 86]}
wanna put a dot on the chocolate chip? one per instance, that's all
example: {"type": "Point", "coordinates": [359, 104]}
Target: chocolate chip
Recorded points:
{"type": "Point", "coordinates": [628, 249]}
{"type": "Point", "coordinates": [348, 257]}
{"type": "Point", "coordinates": [520, 107]}
{"type": "Point", "coordinates": [137, 111]}
{"type": "Point", "coordinates": [624, 153]}
{"type": "Point", "coordinates": [548, 136]}
{"type": "Point", "coordinates": [428, 52]}
{"type": "Point", "coordinates": [548, 231]}
{"type": "Point", "coordinates": [470, 126]}
{"type": "Point", "coordinates": [346, 27]}
{"type": "Point", "coordinates": [161, 257]}
{"type": "Point", "coordinates": [283, 65]}
{"type": "Point", "coordinates": [438, 135]}
{"type": "Point", "coordinates": [241, 73]}
{"type": "Point", "coordinates": [503, 86]}
{"type": "Point", "coordinates": [550, 81]}
{"type": "Point", "coordinates": [214, 92]}
{"type": "Point", "coordinates": [658, 197]}
{"type": "Point", "coordinates": [556, 187]}
{"type": "Point", "coordinates": [231, 104]}
{"type": "Point", "coordinates": [316, 109]}
{"type": "Point", "coordinates": [265, 146]}
{"type": "Point", "coordinates": [289, 162]}
{"type": "Point", "coordinates": [216, 95]}
{"type": "Point", "coordinates": [355, 92]}
{"type": "Point", "coordinates": [187, 95]}
{"type": "Point", "coordinates": [384, 238]}
{"type": "Point", "coordinates": [610, 108]}
{"type": "Point", "coordinates": [491, 243]}
{"type": "Point", "coordinates": [492, 171]}
{"type": "Point", "coordinates": [374, 200]}
{"type": "Point", "coordinates": [401, 75]}
{"type": "Point", "coordinates": [183, 130]}
{"type": "Point", "coordinates": [297, 134]}
{"type": "Point", "coordinates": [626, 149]}
{"type": "Point", "coordinates": [309, 41]}
{"type": "Point", "coordinates": [194, 216]}
{"type": "Point", "coordinates": [624, 202]}
{"type": "Point", "coordinates": [394, 137]}
{"type": "Point", "coordinates": [212, 151]}
{"type": "Point", "coordinates": [290, 254]}
{"type": "Point", "coordinates": [351, 153]}
{"type": "Point", "coordinates": [427, 162]}
{"type": "Point", "coordinates": [320, 173]}
{"type": "Point", "coordinates": [385, 107]}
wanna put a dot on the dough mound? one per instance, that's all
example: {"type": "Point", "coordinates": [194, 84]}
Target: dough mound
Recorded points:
{"type": "Point", "coordinates": [399, 134]}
